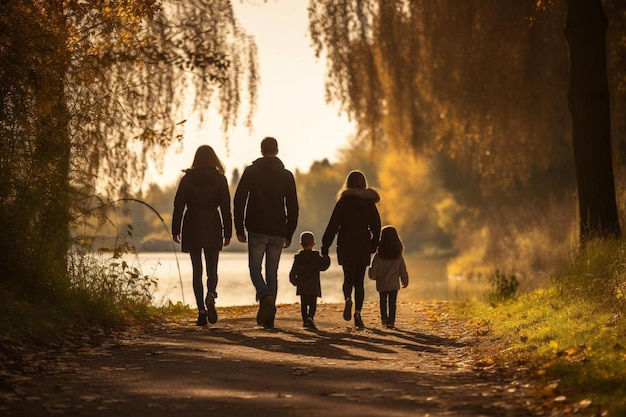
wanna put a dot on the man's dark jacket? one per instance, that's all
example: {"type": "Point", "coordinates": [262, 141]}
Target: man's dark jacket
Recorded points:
{"type": "Point", "coordinates": [266, 201]}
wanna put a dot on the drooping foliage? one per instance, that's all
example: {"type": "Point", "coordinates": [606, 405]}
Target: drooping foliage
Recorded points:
{"type": "Point", "coordinates": [484, 82]}
{"type": "Point", "coordinates": [479, 87]}
{"type": "Point", "coordinates": [92, 90]}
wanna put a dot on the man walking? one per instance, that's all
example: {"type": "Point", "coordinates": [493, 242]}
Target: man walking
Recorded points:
{"type": "Point", "coordinates": [266, 205]}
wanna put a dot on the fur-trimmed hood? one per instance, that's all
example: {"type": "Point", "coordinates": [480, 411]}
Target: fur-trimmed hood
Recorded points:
{"type": "Point", "coordinates": [368, 194]}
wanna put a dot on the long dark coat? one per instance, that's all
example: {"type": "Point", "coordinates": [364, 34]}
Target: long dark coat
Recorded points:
{"type": "Point", "coordinates": [356, 222]}
{"type": "Point", "coordinates": [201, 192]}
{"type": "Point", "coordinates": [305, 272]}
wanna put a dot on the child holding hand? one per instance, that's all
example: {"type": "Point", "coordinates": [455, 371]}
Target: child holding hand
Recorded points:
{"type": "Point", "coordinates": [305, 275]}
{"type": "Point", "coordinates": [389, 271]}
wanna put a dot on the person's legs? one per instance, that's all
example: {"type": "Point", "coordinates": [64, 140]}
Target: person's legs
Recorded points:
{"type": "Point", "coordinates": [348, 281]}
{"type": "Point", "coordinates": [310, 303]}
{"type": "Point", "coordinates": [196, 267]}
{"type": "Point", "coordinates": [270, 247]}
{"type": "Point", "coordinates": [313, 306]}
{"type": "Point", "coordinates": [211, 257]}
{"type": "Point", "coordinates": [383, 306]}
{"type": "Point", "coordinates": [273, 250]}
{"type": "Point", "coordinates": [198, 290]}
{"type": "Point", "coordinates": [359, 289]}
{"type": "Point", "coordinates": [354, 276]}
{"type": "Point", "coordinates": [256, 252]}
{"type": "Point", "coordinates": [304, 308]}
{"type": "Point", "coordinates": [393, 297]}
{"type": "Point", "coordinates": [348, 284]}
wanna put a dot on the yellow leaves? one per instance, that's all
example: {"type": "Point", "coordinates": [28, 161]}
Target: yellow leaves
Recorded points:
{"type": "Point", "coordinates": [549, 390]}
{"type": "Point", "coordinates": [485, 362]}
{"type": "Point", "coordinates": [620, 292]}
{"type": "Point", "coordinates": [554, 345]}
{"type": "Point", "coordinates": [571, 354]}
{"type": "Point", "coordinates": [409, 193]}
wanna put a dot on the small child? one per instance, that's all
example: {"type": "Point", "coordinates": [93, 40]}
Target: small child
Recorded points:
{"type": "Point", "coordinates": [388, 270]}
{"type": "Point", "coordinates": [305, 275]}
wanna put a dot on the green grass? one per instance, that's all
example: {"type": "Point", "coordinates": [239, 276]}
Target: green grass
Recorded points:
{"type": "Point", "coordinates": [571, 332]}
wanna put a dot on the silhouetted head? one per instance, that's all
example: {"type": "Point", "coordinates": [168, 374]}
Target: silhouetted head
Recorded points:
{"type": "Point", "coordinates": [356, 179]}
{"type": "Point", "coordinates": [390, 245]}
{"type": "Point", "coordinates": [207, 158]}
{"type": "Point", "coordinates": [269, 146]}
{"type": "Point", "coordinates": [307, 240]}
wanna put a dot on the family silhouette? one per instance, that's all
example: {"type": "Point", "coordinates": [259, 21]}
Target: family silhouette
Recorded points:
{"type": "Point", "coordinates": [265, 206]}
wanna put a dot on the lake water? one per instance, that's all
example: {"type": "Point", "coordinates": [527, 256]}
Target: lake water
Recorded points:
{"type": "Point", "coordinates": [428, 280]}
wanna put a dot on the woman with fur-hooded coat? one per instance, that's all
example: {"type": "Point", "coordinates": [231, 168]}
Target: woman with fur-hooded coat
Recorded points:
{"type": "Point", "coordinates": [356, 222]}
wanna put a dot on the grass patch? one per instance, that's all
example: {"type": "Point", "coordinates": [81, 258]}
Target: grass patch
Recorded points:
{"type": "Point", "coordinates": [569, 334]}
{"type": "Point", "coordinates": [103, 293]}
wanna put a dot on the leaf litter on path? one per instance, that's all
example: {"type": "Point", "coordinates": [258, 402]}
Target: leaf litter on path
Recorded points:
{"type": "Point", "coordinates": [426, 366]}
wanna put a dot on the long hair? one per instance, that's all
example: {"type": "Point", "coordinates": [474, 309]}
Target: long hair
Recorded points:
{"type": "Point", "coordinates": [207, 158]}
{"type": "Point", "coordinates": [390, 245]}
{"type": "Point", "coordinates": [354, 180]}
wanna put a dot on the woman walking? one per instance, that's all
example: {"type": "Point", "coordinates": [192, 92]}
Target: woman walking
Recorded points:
{"type": "Point", "coordinates": [201, 192]}
{"type": "Point", "coordinates": [356, 222]}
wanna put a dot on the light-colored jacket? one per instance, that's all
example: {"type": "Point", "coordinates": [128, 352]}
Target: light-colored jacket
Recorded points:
{"type": "Point", "coordinates": [388, 273]}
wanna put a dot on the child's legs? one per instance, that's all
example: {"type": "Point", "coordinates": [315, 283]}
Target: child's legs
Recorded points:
{"type": "Point", "coordinates": [312, 306]}
{"type": "Point", "coordinates": [309, 303]}
{"type": "Point", "coordinates": [304, 308]}
{"type": "Point", "coordinates": [393, 297]}
{"type": "Point", "coordinates": [383, 305]}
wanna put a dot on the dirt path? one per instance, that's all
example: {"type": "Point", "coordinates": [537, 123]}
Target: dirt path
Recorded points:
{"type": "Point", "coordinates": [235, 368]}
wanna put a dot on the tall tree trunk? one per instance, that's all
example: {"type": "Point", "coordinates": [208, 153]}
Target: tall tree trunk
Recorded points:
{"type": "Point", "coordinates": [585, 32]}
{"type": "Point", "coordinates": [50, 189]}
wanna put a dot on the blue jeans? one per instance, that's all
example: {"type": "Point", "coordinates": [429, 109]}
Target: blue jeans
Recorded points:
{"type": "Point", "coordinates": [270, 247]}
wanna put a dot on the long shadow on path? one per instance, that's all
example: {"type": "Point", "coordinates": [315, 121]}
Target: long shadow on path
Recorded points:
{"type": "Point", "coordinates": [237, 369]}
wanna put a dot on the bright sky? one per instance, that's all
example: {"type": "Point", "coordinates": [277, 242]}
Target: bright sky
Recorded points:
{"type": "Point", "coordinates": [291, 105]}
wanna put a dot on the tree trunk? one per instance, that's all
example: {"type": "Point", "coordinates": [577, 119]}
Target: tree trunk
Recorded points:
{"type": "Point", "coordinates": [49, 193]}
{"type": "Point", "coordinates": [585, 32]}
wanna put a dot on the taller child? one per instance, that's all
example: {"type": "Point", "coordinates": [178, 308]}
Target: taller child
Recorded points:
{"type": "Point", "coordinates": [356, 222]}
{"type": "Point", "coordinates": [266, 205]}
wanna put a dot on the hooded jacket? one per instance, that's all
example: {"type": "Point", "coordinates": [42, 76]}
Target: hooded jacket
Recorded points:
{"type": "Point", "coordinates": [356, 222]}
{"type": "Point", "coordinates": [265, 200]}
{"type": "Point", "coordinates": [201, 192]}
{"type": "Point", "coordinates": [305, 272]}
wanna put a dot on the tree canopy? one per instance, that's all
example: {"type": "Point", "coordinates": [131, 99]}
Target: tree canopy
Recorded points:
{"type": "Point", "coordinates": [479, 81]}
{"type": "Point", "coordinates": [92, 89]}
{"type": "Point", "coordinates": [482, 86]}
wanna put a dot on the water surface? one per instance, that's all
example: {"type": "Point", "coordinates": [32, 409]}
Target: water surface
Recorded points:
{"type": "Point", "coordinates": [428, 280]}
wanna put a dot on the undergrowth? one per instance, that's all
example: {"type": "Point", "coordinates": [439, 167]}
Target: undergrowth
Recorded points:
{"type": "Point", "coordinates": [571, 333]}
{"type": "Point", "coordinates": [106, 289]}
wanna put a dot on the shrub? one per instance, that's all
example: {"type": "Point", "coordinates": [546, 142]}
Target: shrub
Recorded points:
{"type": "Point", "coordinates": [503, 286]}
